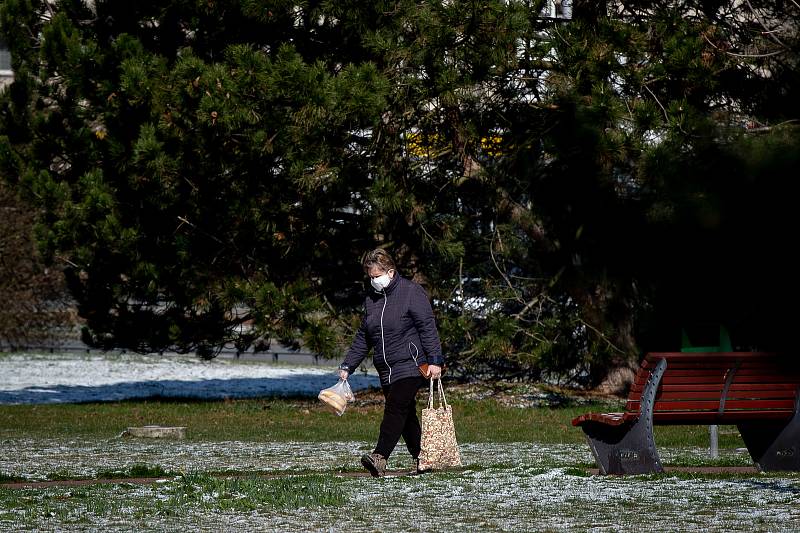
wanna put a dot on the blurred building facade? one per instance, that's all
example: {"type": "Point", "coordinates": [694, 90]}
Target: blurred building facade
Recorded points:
{"type": "Point", "coordinates": [6, 74]}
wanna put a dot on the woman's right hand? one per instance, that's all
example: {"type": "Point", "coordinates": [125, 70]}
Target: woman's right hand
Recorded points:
{"type": "Point", "coordinates": [343, 374]}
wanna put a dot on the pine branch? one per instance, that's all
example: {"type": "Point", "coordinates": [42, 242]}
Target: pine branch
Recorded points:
{"type": "Point", "coordinates": [770, 33]}
{"type": "Point", "coordinates": [767, 129]}
{"type": "Point", "coordinates": [733, 54]}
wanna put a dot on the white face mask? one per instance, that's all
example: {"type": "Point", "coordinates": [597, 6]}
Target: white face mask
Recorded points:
{"type": "Point", "coordinates": [381, 282]}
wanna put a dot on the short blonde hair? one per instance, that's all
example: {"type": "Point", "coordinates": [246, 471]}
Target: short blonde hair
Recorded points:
{"type": "Point", "coordinates": [379, 258]}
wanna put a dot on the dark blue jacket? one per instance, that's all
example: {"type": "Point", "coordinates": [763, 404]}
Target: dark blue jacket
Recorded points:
{"type": "Point", "coordinates": [398, 323]}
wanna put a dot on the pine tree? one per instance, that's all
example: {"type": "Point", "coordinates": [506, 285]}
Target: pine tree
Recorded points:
{"type": "Point", "coordinates": [181, 171]}
{"type": "Point", "coordinates": [568, 191]}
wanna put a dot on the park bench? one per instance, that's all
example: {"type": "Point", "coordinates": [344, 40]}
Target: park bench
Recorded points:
{"type": "Point", "coordinates": [757, 392]}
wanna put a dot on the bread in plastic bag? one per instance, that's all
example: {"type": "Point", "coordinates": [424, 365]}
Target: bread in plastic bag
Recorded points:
{"type": "Point", "coordinates": [337, 396]}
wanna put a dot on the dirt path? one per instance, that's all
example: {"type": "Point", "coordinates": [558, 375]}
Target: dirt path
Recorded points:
{"type": "Point", "coordinates": [80, 482]}
{"type": "Point", "coordinates": [743, 470]}
{"type": "Point", "coordinates": [151, 480]}
{"type": "Point", "coordinates": [701, 470]}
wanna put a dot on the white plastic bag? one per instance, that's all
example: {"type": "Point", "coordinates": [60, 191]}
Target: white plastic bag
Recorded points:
{"type": "Point", "coordinates": [338, 396]}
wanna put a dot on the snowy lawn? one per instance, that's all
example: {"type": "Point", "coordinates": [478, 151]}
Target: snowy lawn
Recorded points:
{"type": "Point", "coordinates": [70, 378]}
{"type": "Point", "coordinates": [310, 486]}
{"type": "Point", "coordinates": [504, 487]}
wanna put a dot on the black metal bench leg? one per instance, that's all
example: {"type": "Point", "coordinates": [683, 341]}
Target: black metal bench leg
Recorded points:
{"type": "Point", "coordinates": [774, 447]}
{"type": "Point", "coordinates": [629, 448]}
{"type": "Point", "coordinates": [626, 449]}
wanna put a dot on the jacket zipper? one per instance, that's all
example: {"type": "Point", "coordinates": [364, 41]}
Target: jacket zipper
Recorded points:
{"type": "Point", "coordinates": [383, 340]}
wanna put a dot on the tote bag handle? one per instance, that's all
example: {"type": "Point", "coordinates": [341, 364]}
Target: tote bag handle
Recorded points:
{"type": "Point", "coordinates": [442, 399]}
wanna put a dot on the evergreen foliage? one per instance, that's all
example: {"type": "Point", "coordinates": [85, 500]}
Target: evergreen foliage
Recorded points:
{"type": "Point", "coordinates": [570, 193]}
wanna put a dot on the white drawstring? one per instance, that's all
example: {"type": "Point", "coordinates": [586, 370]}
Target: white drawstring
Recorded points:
{"type": "Point", "coordinates": [414, 357]}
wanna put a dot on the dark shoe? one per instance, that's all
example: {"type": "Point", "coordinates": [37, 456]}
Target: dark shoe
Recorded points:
{"type": "Point", "coordinates": [375, 463]}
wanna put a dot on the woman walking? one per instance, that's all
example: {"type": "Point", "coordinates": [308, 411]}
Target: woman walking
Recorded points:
{"type": "Point", "coordinates": [398, 325]}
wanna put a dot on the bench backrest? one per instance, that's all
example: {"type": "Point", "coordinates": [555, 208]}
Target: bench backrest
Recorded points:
{"type": "Point", "coordinates": [719, 388]}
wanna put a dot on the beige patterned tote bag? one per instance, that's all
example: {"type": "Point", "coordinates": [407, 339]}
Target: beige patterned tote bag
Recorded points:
{"type": "Point", "coordinates": [439, 445]}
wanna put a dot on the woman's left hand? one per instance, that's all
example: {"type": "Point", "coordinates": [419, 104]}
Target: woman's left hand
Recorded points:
{"type": "Point", "coordinates": [434, 371]}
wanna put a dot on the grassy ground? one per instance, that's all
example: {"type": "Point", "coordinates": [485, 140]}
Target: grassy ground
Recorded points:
{"type": "Point", "coordinates": [307, 420]}
{"type": "Point", "coordinates": [503, 487]}
{"type": "Point", "coordinates": [276, 465]}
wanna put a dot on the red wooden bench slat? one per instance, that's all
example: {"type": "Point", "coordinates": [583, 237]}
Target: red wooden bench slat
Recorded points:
{"type": "Point", "coordinates": [694, 417]}
{"type": "Point", "coordinates": [686, 386]}
{"type": "Point", "coordinates": [720, 363]}
{"type": "Point", "coordinates": [710, 417]}
{"type": "Point", "coordinates": [764, 378]}
{"type": "Point", "coordinates": [685, 405]}
{"type": "Point", "coordinates": [715, 393]}
{"type": "Point", "coordinates": [713, 365]}
{"type": "Point", "coordinates": [771, 378]}
{"type": "Point", "coordinates": [684, 380]}
{"type": "Point", "coordinates": [690, 371]}
{"type": "Point", "coordinates": [742, 377]}
{"type": "Point", "coordinates": [757, 394]}
{"type": "Point", "coordinates": [776, 370]}
{"type": "Point", "coordinates": [762, 386]}
{"type": "Point", "coordinates": [702, 372]}
{"type": "Point", "coordinates": [712, 356]}
{"type": "Point", "coordinates": [730, 405]}
{"type": "Point", "coordinates": [713, 405]}
{"type": "Point", "coordinates": [690, 395]}
{"type": "Point", "coordinates": [639, 389]}
{"type": "Point", "coordinates": [718, 387]}
{"type": "Point", "coordinates": [767, 362]}
{"type": "Point", "coordinates": [669, 376]}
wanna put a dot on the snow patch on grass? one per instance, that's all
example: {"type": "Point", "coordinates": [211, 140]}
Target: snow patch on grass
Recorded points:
{"type": "Point", "coordinates": [504, 487]}
{"type": "Point", "coordinates": [71, 378]}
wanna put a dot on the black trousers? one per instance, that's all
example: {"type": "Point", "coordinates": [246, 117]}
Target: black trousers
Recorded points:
{"type": "Point", "coordinates": [400, 417]}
